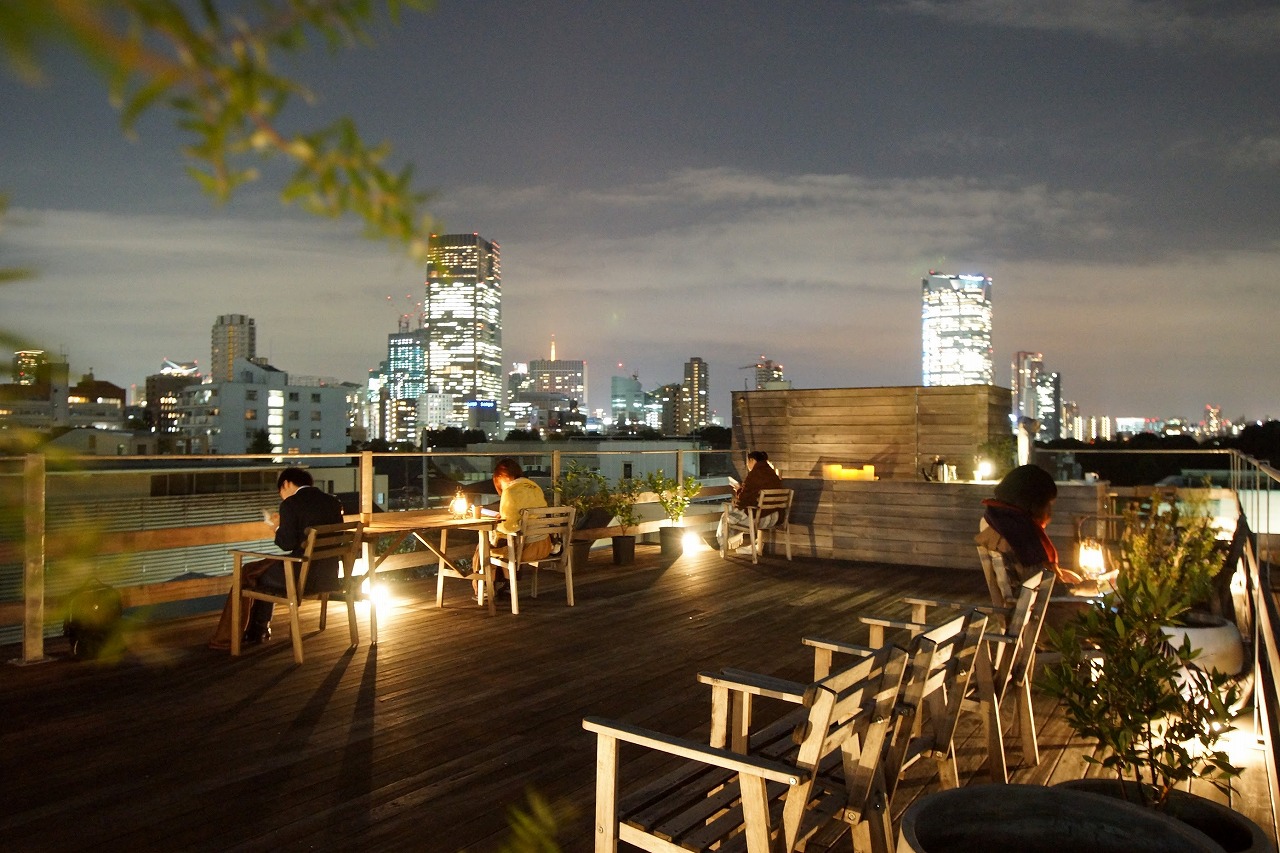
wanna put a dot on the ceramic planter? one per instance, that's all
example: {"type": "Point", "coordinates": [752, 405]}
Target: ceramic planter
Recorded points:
{"type": "Point", "coordinates": [624, 550]}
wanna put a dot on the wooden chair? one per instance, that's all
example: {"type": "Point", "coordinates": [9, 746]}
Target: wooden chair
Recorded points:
{"type": "Point", "coordinates": [943, 659]}
{"type": "Point", "coordinates": [324, 542]}
{"type": "Point", "coordinates": [1005, 669]}
{"type": "Point", "coordinates": [775, 791]}
{"type": "Point", "coordinates": [552, 521]}
{"type": "Point", "coordinates": [770, 500]}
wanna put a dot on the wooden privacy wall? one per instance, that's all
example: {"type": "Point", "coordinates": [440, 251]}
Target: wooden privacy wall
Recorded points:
{"type": "Point", "coordinates": [898, 430]}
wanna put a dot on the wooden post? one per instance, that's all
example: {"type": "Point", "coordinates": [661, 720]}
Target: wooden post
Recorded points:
{"type": "Point", "coordinates": [33, 487]}
{"type": "Point", "coordinates": [366, 486]}
{"type": "Point", "coordinates": [555, 475]}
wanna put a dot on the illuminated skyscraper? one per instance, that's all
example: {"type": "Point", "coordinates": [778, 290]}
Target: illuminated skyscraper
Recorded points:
{"type": "Point", "coordinates": [956, 319]}
{"type": "Point", "coordinates": [26, 365]}
{"type": "Point", "coordinates": [234, 336]}
{"type": "Point", "coordinates": [1025, 374]}
{"type": "Point", "coordinates": [462, 318]}
{"type": "Point", "coordinates": [691, 413]}
{"type": "Point", "coordinates": [564, 377]}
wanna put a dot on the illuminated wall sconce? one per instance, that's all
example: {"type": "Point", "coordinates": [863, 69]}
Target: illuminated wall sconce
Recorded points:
{"type": "Point", "coordinates": [836, 471]}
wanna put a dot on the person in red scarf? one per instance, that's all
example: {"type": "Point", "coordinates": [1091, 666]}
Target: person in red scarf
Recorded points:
{"type": "Point", "coordinates": [1014, 523]}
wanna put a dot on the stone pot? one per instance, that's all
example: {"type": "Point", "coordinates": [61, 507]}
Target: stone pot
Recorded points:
{"type": "Point", "coordinates": [672, 541]}
{"type": "Point", "coordinates": [1232, 831]}
{"type": "Point", "coordinates": [1036, 819]}
{"type": "Point", "coordinates": [624, 550]}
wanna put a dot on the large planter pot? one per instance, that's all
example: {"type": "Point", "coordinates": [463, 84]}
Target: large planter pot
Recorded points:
{"type": "Point", "coordinates": [671, 540]}
{"type": "Point", "coordinates": [1232, 831]}
{"type": "Point", "coordinates": [1219, 641]}
{"type": "Point", "coordinates": [624, 550]}
{"type": "Point", "coordinates": [1036, 819]}
{"type": "Point", "coordinates": [581, 552]}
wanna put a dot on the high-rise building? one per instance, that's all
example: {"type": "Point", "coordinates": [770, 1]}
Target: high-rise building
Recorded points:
{"type": "Point", "coordinates": [956, 320]}
{"type": "Point", "coordinates": [1049, 406]}
{"type": "Point", "coordinates": [769, 376]}
{"type": "Point", "coordinates": [1025, 374]}
{"type": "Point", "coordinates": [405, 382]}
{"type": "Point", "coordinates": [164, 393]}
{"type": "Point", "coordinates": [626, 399]}
{"type": "Point", "coordinates": [234, 336]}
{"type": "Point", "coordinates": [462, 318]}
{"type": "Point", "coordinates": [562, 377]}
{"type": "Point", "coordinates": [26, 365]}
{"type": "Point", "coordinates": [691, 414]}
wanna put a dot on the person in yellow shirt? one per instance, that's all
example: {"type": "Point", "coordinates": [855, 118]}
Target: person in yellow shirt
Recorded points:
{"type": "Point", "coordinates": [515, 493]}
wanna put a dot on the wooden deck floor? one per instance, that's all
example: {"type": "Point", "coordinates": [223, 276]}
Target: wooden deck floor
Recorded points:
{"type": "Point", "coordinates": [424, 742]}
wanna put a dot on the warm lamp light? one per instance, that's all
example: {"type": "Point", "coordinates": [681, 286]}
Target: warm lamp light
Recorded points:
{"type": "Point", "coordinates": [458, 506]}
{"type": "Point", "coordinates": [1091, 558]}
{"type": "Point", "coordinates": [984, 470]}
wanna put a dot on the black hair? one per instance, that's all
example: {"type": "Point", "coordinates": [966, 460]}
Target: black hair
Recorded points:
{"type": "Point", "coordinates": [1028, 487]}
{"type": "Point", "coordinates": [297, 476]}
{"type": "Point", "coordinates": [758, 455]}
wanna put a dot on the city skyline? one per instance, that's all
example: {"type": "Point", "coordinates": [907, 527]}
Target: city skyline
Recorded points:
{"type": "Point", "coordinates": [659, 192]}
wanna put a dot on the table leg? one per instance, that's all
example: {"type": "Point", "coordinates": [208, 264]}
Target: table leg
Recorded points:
{"type": "Point", "coordinates": [490, 585]}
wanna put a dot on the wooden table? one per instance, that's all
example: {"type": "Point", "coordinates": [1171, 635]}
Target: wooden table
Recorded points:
{"type": "Point", "coordinates": [399, 526]}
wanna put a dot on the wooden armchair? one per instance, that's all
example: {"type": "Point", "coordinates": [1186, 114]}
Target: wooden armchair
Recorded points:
{"type": "Point", "coordinates": [770, 500]}
{"type": "Point", "coordinates": [324, 542]}
{"type": "Point", "coordinates": [775, 791]}
{"type": "Point", "coordinates": [1005, 668]}
{"type": "Point", "coordinates": [944, 657]}
{"type": "Point", "coordinates": [555, 522]}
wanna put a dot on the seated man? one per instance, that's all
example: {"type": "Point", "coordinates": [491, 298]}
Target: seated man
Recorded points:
{"type": "Point", "coordinates": [760, 475]}
{"type": "Point", "coordinates": [515, 492]}
{"type": "Point", "coordinates": [1013, 525]}
{"type": "Point", "coordinates": [302, 505]}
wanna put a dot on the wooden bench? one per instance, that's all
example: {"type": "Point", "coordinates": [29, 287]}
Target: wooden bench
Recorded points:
{"type": "Point", "coordinates": [812, 771]}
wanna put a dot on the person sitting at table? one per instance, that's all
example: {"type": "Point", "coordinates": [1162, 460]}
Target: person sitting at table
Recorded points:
{"type": "Point", "coordinates": [515, 493]}
{"type": "Point", "coordinates": [760, 475]}
{"type": "Point", "coordinates": [1013, 525]}
{"type": "Point", "coordinates": [302, 505]}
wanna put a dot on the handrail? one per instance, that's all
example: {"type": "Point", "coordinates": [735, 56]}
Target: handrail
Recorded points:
{"type": "Point", "coordinates": [1266, 666]}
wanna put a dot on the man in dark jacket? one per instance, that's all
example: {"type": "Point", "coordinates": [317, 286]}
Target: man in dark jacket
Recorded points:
{"type": "Point", "coordinates": [302, 505]}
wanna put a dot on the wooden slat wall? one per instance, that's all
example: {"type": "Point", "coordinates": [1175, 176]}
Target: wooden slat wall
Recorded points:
{"type": "Point", "coordinates": [905, 522]}
{"type": "Point", "coordinates": [897, 429]}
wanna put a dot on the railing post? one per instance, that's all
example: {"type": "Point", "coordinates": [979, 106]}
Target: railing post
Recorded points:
{"type": "Point", "coordinates": [366, 486]}
{"type": "Point", "coordinates": [679, 467]}
{"type": "Point", "coordinates": [555, 476]}
{"type": "Point", "coordinates": [33, 499]}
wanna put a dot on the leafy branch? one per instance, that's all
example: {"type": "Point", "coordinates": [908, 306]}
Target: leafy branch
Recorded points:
{"type": "Point", "coordinates": [215, 70]}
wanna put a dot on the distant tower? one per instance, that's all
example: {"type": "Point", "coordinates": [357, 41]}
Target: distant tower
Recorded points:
{"type": "Point", "coordinates": [26, 365]}
{"type": "Point", "coordinates": [768, 374]}
{"type": "Point", "coordinates": [462, 316]}
{"type": "Point", "coordinates": [691, 413]}
{"type": "Point", "coordinates": [234, 336]}
{"type": "Point", "coordinates": [956, 320]}
{"type": "Point", "coordinates": [560, 377]}
{"type": "Point", "coordinates": [1025, 373]}
{"type": "Point", "coordinates": [1049, 405]}
{"type": "Point", "coordinates": [626, 399]}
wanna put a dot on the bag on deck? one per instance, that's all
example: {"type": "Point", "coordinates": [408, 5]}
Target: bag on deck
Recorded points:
{"type": "Point", "coordinates": [93, 616]}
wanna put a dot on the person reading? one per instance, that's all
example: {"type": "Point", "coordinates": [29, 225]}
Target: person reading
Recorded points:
{"type": "Point", "coordinates": [761, 475]}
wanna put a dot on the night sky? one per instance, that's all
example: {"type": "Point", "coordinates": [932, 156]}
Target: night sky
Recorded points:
{"type": "Point", "coordinates": [717, 179]}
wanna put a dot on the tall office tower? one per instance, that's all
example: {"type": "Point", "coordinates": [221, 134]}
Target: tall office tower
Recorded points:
{"type": "Point", "coordinates": [562, 377]}
{"type": "Point", "coordinates": [956, 319]}
{"type": "Point", "coordinates": [1025, 374]}
{"type": "Point", "coordinates": [462, 316]}
{"type": "Point", "coordinates": [1072, 422]}
{"type": "Point", "coordinates": [692, 412]}
{"type": "Point", "coordinates": [1049, 406]}
{"type": "Point", "coordinates": [662, 407]}
{"type": "Point", "coordinates": [234, 336]}
{"type": "Point", "coordinates": [1213, 424]}
{"type": "Point", "coordinates": [26, 365]}
{"type": "Point", "coordinates": [626, 401]}
{"type": "Point", "coordinates": [405, 383]}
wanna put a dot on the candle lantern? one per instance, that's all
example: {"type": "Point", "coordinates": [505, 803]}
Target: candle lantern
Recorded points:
{"type": "Point", "coordinates": [458, 506]}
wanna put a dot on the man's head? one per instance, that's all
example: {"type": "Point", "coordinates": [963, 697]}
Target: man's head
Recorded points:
{"type": "Point", "coordinates": [292, 479]}
{"type": "Point", "coordinates": [1031, 488]}
{"type": "Point", "coordinates": [756, 456]}
{"type": "Point", "coordinates": [504, 471]}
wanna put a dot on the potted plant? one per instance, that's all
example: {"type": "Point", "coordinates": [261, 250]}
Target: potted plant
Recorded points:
{"type": "Point", "coordinates": [626, 491]}
{"type": "Point", "coordinates": [587, 491]}
{"type": "Point", "coordinates": [1126, 683]}
{"type": "Point", "coordinates": [674, 497]}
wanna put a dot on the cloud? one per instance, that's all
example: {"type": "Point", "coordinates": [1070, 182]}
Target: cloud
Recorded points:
{"type": "Point", "coordinates": [1203, 27]}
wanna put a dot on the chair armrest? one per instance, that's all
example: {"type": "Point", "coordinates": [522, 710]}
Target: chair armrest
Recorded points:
{"type": "Point", "coordinates": [284, 558]}
{"type": "Point", "coordinates": [773, 771]}
{"type": "Point", "coordinates": [838, 647]}
{"type": "Point", "coordinates": [892, 623]}
{"type": "Point", "coordinates": [755, 684]}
